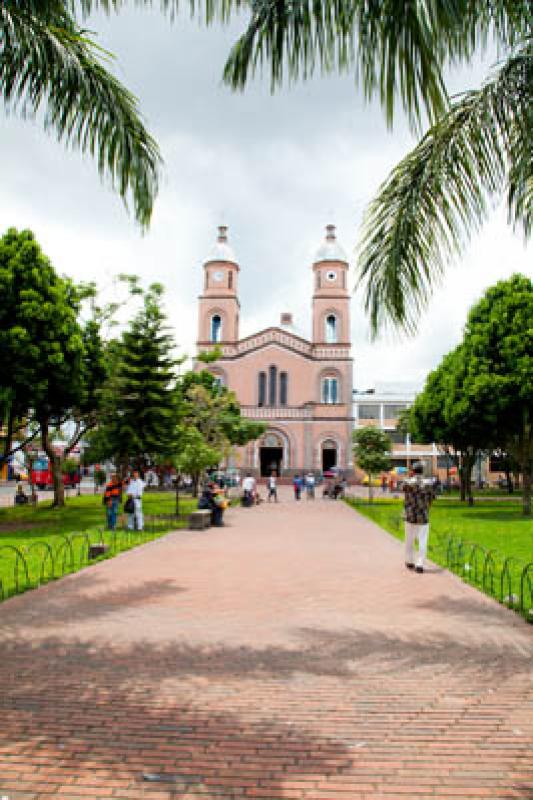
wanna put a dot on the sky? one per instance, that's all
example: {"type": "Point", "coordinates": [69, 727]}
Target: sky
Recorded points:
{"type": "Point", "coordinates": [274, 168]}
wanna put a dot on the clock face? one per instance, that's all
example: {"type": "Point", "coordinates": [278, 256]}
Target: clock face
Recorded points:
{"type": "Point", "coordinates": [331, 275]}
{"type": "Point", "coordinates": [218, 276]}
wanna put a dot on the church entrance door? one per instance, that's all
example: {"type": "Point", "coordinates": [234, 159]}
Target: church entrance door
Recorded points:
{"type": "Point", "coordinates": [270, 460]}
{"type": "Point", "coordinates": [329, 455]}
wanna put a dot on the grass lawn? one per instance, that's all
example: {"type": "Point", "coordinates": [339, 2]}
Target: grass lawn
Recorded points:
{"type": "Point", "coordinates": [52, 542]}
{"type": "Point", "coordinates": [496, 527]}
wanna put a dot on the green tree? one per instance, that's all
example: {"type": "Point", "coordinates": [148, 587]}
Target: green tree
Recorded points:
{"type": "Point", "coordinates": [194, 457]}
{"type": "Point", "coordinates": [48, 61]}
{"type": "Point", "coordinates": [138, 423]}
{"type": "Point", "coordinates": [450, 413]}
{"type": "Point", "coordinates": [498, 344]}
{"type": "Point", "coordinates": [215, 413]}
{"type": "Point", "coordinates": [52, 363]}
{"type": "Point", "coordinates": [477, 148]}
{"type": "Point", "coordinates": [372, 449]}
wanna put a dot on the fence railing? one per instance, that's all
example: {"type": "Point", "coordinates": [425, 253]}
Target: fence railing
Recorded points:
{"type": "Point", "coordinates": [30, 566]}
{"type": "Point", "coordinates": [505, 578]}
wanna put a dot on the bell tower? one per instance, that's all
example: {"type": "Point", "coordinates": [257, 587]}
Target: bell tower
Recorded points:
{"type": "Point", "coordinates": [331, 298]}
{"type": "Point", "coordinates": [218, 317]}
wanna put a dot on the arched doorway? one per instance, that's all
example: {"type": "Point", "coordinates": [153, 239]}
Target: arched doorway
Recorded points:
{"type": "Point", "coordinates": [329, 454]}
{"type": "Point", "coordinates": [271, 454]}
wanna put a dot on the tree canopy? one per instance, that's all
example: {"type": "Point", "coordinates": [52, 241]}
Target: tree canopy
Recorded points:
{"type": "Point", "coordinates": [52, 363]}
{"type": "Point", "coordinates": [480, 397]}
{"type": "Point", "coordinates": [372, 449]}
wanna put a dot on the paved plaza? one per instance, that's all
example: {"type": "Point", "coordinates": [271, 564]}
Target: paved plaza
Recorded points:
{"type": "Point", "coordinates": [287, 655]}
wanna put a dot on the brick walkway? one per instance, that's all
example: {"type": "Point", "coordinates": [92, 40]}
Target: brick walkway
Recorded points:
{"type": "Point", "coordinates": [288, 655]}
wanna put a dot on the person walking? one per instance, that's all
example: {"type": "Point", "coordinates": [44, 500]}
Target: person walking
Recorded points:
{"type": "Point", "coordinates": [272, 488]}
{"type": "Point", "coordinates": [248, 489]}
{"type": "Point", "coordinates": [310, 486]}
{"type": "Point", "coordinates": [297, 486]}
{"type": "Point", "coordinates": [112, 498]}
{"type": "Point", "coordinates": [418, 496]}
{"type": "Point", "coordinates": [135, 492]}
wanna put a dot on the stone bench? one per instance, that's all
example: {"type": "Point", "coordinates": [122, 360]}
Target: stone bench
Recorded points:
{"type": "Point", "coordinates": [199, 520]}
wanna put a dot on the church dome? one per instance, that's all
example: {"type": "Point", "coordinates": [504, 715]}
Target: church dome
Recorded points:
{"type": "Point", "coordinates": [221, 251]}
{"type": "Point", "coordinates": [330, 249]}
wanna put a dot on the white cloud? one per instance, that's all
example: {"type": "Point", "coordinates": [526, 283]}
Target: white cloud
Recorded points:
{"type": "Point", "coordinates": [275, 169]}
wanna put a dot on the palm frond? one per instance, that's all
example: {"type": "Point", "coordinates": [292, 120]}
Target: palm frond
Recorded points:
{"type": "Point", "coordinates": [48, 62]}
{"type": "Point", "coordinates": [396, 48]}
{"type": "Point", "coordinates": [207, 10]}
{"type": "Point", "coordinates": [441, 192]}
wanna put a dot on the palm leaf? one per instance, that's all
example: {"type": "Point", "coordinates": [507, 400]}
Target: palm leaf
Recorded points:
{"type": "Point", "coordinates": [441, 192]}
{"type": "Point", "coordinates": [397, 49]}
{"type": "Point", "coordinates": [47, 62]}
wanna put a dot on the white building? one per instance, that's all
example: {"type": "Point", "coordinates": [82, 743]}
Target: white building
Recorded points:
{"type": "Point", "coordinates": [382, 406]}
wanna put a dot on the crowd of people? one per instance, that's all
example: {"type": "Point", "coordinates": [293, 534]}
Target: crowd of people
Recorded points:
{"type": "Point", "coordinates": [419, 494]}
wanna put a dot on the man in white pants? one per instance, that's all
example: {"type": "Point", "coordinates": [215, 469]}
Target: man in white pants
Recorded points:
{"type": "Point", "coordinates": [135, 490]}
{"type": "Point", "coordinates": [418, 496]}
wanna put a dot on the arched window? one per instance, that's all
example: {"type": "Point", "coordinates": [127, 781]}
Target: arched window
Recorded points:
{"type": "Point", "coordinates": [273, 385]}
{"type": "Point", "coordinates": [331, 329]}
{"type": "Point", "coordinates": [330, 390]}
{"type": "Point", "coordinates": [216, 328]}
{"type": "Point", "coordinates": [283, 385]}
{"type": "Point", "coordinates": [261, 389]}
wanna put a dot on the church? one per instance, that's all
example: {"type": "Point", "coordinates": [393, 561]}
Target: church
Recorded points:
{"type": "Point", "coordinates": [300, 388]}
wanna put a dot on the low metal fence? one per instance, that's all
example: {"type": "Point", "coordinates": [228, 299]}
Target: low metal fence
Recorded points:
{"type": "Point", "coordinates": [505, 578]}
{"type": "Point", "coordinates": [27, 567]}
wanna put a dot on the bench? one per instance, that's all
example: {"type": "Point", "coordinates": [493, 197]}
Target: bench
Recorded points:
{"type": "Point", "coordinates": [199, 520]}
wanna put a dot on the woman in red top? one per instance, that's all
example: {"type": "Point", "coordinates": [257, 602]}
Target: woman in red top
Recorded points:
{"type": "Point", "coordinates": [112, 498]}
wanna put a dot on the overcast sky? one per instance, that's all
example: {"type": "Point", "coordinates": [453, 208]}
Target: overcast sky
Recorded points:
{"type": "Point", "coordinates": [275, 169]}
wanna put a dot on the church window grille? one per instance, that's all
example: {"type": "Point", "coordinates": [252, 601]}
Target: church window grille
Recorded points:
{"type": "Point", "coordinates": [216, 328]}
{"type": "Point", "coordinates": [273, 385]}
{"type": "Point", "coordinates": [262, 382]}
{"type": "Point", "coordinates": [331, 329]}
{"type": "Point", "coordinates": [283, 386]}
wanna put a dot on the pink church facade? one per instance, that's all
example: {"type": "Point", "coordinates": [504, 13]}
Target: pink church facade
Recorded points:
{"type": "Point", "coordinates": [301, 389]}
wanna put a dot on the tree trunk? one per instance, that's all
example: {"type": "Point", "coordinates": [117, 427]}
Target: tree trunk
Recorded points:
{"type": "Point", "coordinates": [509, 479]}
{"type": "Point", "coordinates": [462, 478]}
{"type": "Point", "coordinates": [59, 486]}
{"type": "Point", "coordinates": [55, 465]}
{"type": "Point", "coordinates": [8, 441]}
{"type": "Point", "coordinates": [370, 492]}
{"type": "Point", "coordinates": [527, 462]}
{"type": "Point", "coordinates": [195, 481]}
{"type": "Point", "coordinates": [469, 463]}
{"type": "Point", "coordinates": [526, 497]}
{"type": "Point", "coordinates": [177, 495]}
{"type": "Point", "coordinates": [469, 487]}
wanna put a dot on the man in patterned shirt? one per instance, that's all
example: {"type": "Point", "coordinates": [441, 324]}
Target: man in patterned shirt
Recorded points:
{"type": "Point", "coordinates": [418, 496]}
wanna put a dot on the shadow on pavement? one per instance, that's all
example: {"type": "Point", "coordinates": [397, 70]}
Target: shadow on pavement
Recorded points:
{"type": "Point", "coordinates": [87, 712]}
